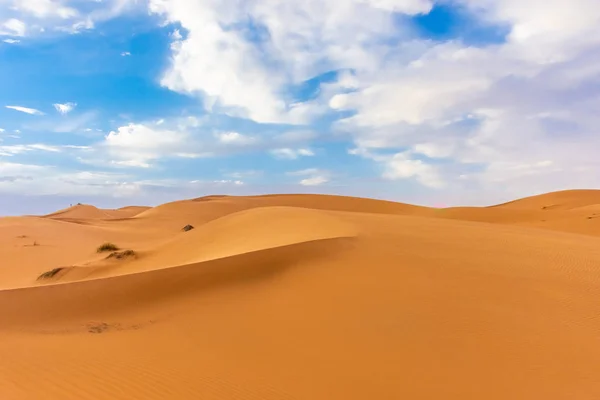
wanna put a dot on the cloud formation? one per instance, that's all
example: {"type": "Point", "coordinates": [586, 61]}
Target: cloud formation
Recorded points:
{"type": "Point", "coordinates": [65, 108]}
{"type": "Point", "coordinates": [137, 145]}
{"type": "Point", "coordinates": [26, 110]}
{"type": "Point", "coordinates": [12, 27]}
{"type": "Point", "coordinates": [235, 139]}
{"type": "Point", "coordinates": [312, 176]}
{"type": "Point", "coordinates": [241, 56]}
{"type": "Point", "coordinates": [292, 154]}
{"type": "Point", "coordinates": [506, 118]}
{"type": "Point", "coordinates": [41, 17]}
{"type": "Point", "coordinates": [450, 113]}
{"type": "Point", "coordinates": [11, 150]}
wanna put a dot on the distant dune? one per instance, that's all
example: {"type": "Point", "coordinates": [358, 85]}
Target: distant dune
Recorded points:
{"type": "Point", "coordinates": [86, 212]}
{"type": "Point", "coordinates": [563, 200]}
{"type": "Point", "coordinates": [303, 297]}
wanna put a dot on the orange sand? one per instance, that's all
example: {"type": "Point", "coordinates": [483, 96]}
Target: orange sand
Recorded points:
{"type": "Point", "coordinates": [304, 297]}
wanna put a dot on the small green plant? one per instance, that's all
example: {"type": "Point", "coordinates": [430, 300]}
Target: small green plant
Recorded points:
{"type": "Point", "coordinates": [107, 247]}
{"type": "Point", "coordinates": [50, 274]}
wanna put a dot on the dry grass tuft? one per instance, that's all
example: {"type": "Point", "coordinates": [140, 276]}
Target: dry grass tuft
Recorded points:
{"type": "Point", "coordinates": [119, 255]}
{"type": "Point", "coordinates": [107, 247]}
{"type": "Point", "coordinates": [50, 274]}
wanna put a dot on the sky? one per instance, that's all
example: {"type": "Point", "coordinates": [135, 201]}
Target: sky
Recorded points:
{"type": "Point", "coordinates": [434, 102]}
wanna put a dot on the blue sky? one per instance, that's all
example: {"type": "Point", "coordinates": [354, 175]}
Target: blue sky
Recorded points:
{"type": "Point", "coordinates": [432, 102]}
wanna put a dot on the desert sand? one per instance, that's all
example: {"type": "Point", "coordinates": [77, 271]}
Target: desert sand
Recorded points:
{"type": "Point", "coordinates": [304, 297]}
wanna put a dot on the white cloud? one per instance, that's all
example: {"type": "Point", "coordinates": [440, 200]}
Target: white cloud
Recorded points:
{"type": "Point", "coordinates": [131, 163]}
{"type": "Point", "coordinates": [191, 155]}
{"type": "Point", "coordinates": [45, 147]}
{"type": "Point", "coordinates": [434, 150]}
{"type": "Point", "coordinates": [176, 35]}
{"type": "Point", "coordinates": [228, 182]}
{"type": "Point", "coordinates": [142, 144]}
{"type": "Point", "coordinates": [45, 17]}
{"type": "Point", "coordinates": [11, 150]}
{"type": "Point", "coordinates": [65, 108]}
{"type": "Point", "coordinates": [292, 154]}
{"type": "Point", "coordinates": [137, 144]}
{"type": "Point", "coordinates": [2, 130]}
{"type": "Point", "coordinates": [315, 176]}
{"type": "Point", "coordinates": [305, 152]}
{"type": "Point", "coordinates": [402, 166]}
{"type": "Point", "coordinates": [13, 27]}
{"type": "Point", "coordinates": [308, 171]}
{"type": "Point", "coordinates": [544, 31]}
{"type": "Point", "coordinates": [235, 138]}
{"type": "Point", "coordinates": [314, 181]}
{"type": "Point", "coordinates": [483, 111]}
{"type": "Point", "coordinates": [80, 26]}
{"type": "Point", "coordinates": [7, 168]}
{"type": "Point", "coordinates": [11, 41]}
{"type": "Point", "coordinates": [246, 77]}
{"type": "Point", "coordinates": [26, 110]}
{"type": "Point", "coordinates": [125, 54]}
{"type": "Point", "coordinates": [142, 137]}
{"type": "Point", "coordinates": [442, 113]}
{"type": "Point", "coordinates": [45, 8]}
{"type": "Point", "coordinates": [50, 180]}
{"type": "Point", "coordinates": [493, 113]}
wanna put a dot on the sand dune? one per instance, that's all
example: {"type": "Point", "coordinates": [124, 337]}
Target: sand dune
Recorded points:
{"type": "Point", "coordinates": [235, 234]}
{"type": "Point", "coordinates": [575, 211]}
{"type": "Point", "coordinates": [87, 212]}
{"type": "Point", "coordinates": [563, 200]}
{"type": "Point", "coordinates": [204, 209]}
{"type": "Point", "coordinates": [304, 297]}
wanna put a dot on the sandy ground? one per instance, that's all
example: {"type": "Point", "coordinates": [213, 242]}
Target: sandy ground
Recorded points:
{"type": "Point", "coordinates": [304, 297]}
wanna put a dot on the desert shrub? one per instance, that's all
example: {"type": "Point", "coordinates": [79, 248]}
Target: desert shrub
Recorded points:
{"type": "Point", "coordinates": [187, 228]}
{"type": "Point", "coordinates": [107, 247]}
{"type": "Point", "coordinates": [121, 254]}
{"type": "Point", "coordinates": [50, 274]}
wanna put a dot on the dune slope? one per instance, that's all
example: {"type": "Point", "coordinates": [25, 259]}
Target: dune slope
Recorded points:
{"type": "Point", "coordinates": [87, 212]}
{"type": "Point", "coordinates": [575, 211]}
{"type": "Point", "coordinates": [272, 298]}
{"type": "Point", "coordinates": [562, 200]}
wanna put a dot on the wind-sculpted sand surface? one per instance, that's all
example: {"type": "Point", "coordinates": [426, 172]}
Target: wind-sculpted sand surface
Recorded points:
{"type": "Point", "coordinates": [303, 297]}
